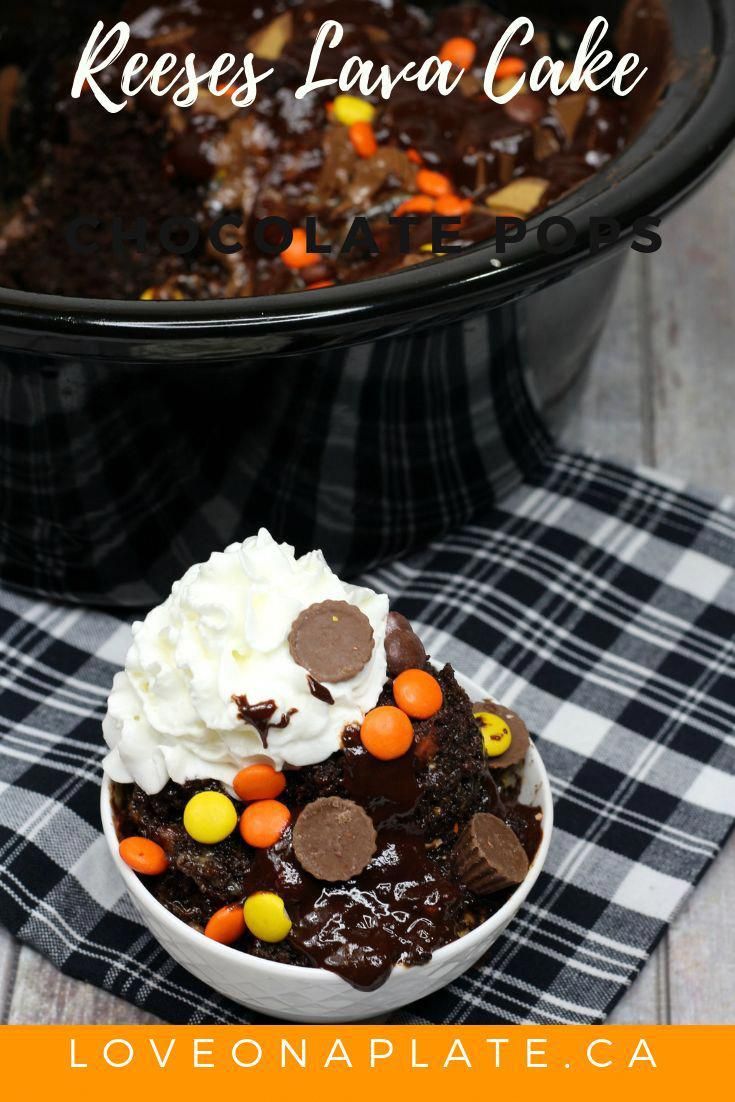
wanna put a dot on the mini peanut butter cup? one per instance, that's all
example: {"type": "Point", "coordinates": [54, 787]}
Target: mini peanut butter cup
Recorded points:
{"type": "Point", "coordinates": [333, 640]}
{"type": "Point", "coordinates": [334, 839]}
{"type": "Point", "coordinates": [520, 739]}
{"type": "Point", "coordinates": [488, 857]}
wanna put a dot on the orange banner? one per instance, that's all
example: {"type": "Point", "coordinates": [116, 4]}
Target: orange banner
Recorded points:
{"type": "Point", "coordinates": [363, 1062]}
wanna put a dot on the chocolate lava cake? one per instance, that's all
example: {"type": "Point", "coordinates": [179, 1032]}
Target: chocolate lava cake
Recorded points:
{"type": "Point", "coordinates": [294, 778]}
{"type": "Point", "coordinates": [408, 901]}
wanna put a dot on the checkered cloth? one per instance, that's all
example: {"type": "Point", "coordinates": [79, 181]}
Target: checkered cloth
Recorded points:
{"type": "Point", "coordinates": [606, 602]}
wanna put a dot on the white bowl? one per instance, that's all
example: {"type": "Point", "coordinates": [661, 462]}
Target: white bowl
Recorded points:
{"type": "Point", "coordinates": [313, 994]}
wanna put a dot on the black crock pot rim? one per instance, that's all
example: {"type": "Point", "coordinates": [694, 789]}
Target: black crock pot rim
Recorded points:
{"type": "Point", "coordinates": [647, 189]}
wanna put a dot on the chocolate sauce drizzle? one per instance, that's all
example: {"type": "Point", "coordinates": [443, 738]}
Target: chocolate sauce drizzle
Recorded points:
{"type": "Point", "coordinates": [258, 715]}
{"type": "Point", "coordinates": [321, 692]}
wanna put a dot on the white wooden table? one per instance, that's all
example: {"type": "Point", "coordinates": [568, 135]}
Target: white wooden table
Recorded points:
{"type": "Point", "coordinates": [661, 392]}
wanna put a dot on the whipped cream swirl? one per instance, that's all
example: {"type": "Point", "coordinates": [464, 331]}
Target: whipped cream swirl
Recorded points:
{"type": "Point", "coordinates": [223, 633]}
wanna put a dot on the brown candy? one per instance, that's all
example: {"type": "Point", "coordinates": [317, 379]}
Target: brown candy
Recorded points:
{"type": "Point", "coordinates": [404, 651]}
{"type": "Point", "coordinates": [334, 839]}
{"type": "Point", "coordinates": [520, 739]}
{"type": "Point", "coordinates": [403, 648]}
{"type": "Point", "coordinates": [488, 857]}
{"type": "Point", "coordinates": [570, 110]}
{"type": "Point", "coordinates": [526, 109]}
{"type": "Point", "coordinates": [333, 640]}
{"type": "Point", "coordinates": [396, 621]}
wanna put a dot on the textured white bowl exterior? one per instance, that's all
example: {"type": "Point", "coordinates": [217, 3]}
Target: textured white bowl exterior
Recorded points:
{"type": "Point", "coordinates": [312, 994]}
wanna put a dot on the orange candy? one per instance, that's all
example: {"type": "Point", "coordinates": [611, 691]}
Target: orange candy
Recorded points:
{"type": "Point", "coordinates": [386, 733]}
{"type": "Point", "coordinates": [295, 255]}
{"type": "Point", "coordinates": [415, 157]}
{"type": "Point", "coordinates": [319, 283]}
{"type": "Point", "coordinates": [417, 693]}
{"type": "Point", "coordinates": [259, 782]}
{"type": "Point", "coordinates": [452, 204]}
{"type": "Point", "coordinates": [263, 823]}
{"type": "Point", "coordinates": [418, 204]}
{"type": "Point", "coordinates": [510, 67]}
{"type": "Point", "coordinates": [143, 856]}
{"type": "Point", "coordinates": [362, 137]}
{"type": "Point", "coordinates": [432, 183]}
{"type": "Point", "coordinates": [460, 51]}
{"type": "Point", "coordinates": [227, 925]}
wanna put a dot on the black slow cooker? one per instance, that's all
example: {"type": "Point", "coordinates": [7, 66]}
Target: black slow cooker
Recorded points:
{"type": "Point", "coordinates": [136, 437]}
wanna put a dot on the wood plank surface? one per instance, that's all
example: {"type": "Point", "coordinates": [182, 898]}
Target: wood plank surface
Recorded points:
{"type": "Point", "coordinates": [692, 360]}
{"type": "Point", "coordinates": [8, 963]}
{"type": "Point", "coordinates": [661, 391]}
{"type": "Point", "coordinates": [702, 949]}
{"type": "Point", "coordinates": [42, 995]}
{"type": "Point", "coordinates": [692, 345]}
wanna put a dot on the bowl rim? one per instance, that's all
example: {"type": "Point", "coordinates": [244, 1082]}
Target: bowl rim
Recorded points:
{"type": "Point", "coordinates": [226, 953]}
{"type": "Point", "coordinates": [628, 188]}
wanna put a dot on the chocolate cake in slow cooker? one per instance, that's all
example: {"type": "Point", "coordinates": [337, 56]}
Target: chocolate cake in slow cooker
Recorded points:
{"type": "Point", "coordinates": [418, 154]}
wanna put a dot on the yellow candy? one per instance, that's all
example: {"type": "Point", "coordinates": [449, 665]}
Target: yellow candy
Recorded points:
{"type": "Point", "coordinates": [151, 294]}
{"type": "Point", "coordinates": [351, 109]}
{"type": "Point", "coordinates": [266, 916]}
{"type": "Point", "coordinates": [496, 734]}
{"type": "Point", "coordinates": [209, 817]}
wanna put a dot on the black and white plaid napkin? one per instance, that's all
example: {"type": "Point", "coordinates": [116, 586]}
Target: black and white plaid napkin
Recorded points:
{"type": "Point", "coordinates": [599, 602]}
